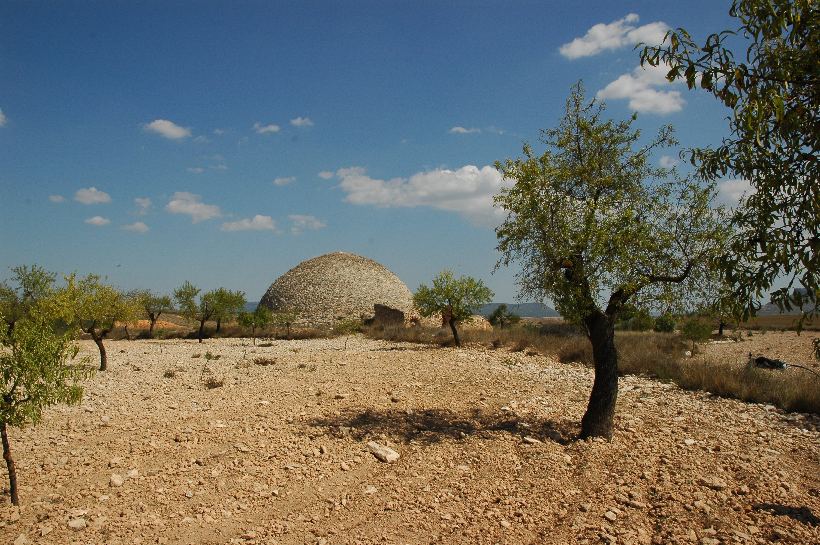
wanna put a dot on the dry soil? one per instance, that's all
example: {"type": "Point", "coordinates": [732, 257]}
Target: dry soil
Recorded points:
{"type": "Point", "coordinates": [278, 453]}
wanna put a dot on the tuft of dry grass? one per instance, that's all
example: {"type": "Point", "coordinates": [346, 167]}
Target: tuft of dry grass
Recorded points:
{"type": "Point", "coordinates": [264, 361]}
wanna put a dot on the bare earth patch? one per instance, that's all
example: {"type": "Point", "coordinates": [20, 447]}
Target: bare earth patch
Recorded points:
{"type": "Point", "coordinates": [279, 453]}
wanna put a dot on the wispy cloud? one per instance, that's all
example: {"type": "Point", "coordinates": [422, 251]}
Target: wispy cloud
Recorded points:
{"type": "Point", "coordinates": [190, 204]}
{"type": "Point", "coordinates": [195, 170]}
{"type": "Point", "coordinates": [265, 129]}
{"type": "Point", "coordinates": [218, 132]}
{"type": "Point", "coordinates": [467, 191]}
{"type": "Point", "coordinates": [92, 195]}
{"type": "Point", "coordinates": [667, 161]}
{"type": "Point", "coordinates": [325, 175]}
{"type": "Point", "coordinates": [56, 198]}
{"type": "Point", "coordinates": [167, 129]}
{"type": "Point", "coordinates": [3, 118]}
{"type": "Point", "coordinates": [731, 192]}
{"type": "Point", "coordinates": [301, 122]}
{"type": "Point", "coordinates": [136, 227]}
{"type": "Point", "coordinates": [285, 180]}
{"type": "Point", "coordinates": [302, 222]}
{"type": "Point", "coordinates": [143, 205]}
{"type": "Point", "coordinates": [256, 223]}
{"type": "Point", "coordinates": [642, 87]}
{"type": "Point", "coordinates": [463, 130]}
{"type": "Point", "coordinates": [98, 221]}
{"type": "Point", "coordinates": [614, 35]}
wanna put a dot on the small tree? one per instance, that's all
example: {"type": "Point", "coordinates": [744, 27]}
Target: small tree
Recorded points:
{"type": "Point", "coordinates": [151, 306]}
{"type": "Point", "coordinates": [35, 372]}
{"type": "Point", "coordinates": [95, 308]}
{"type": "Point", "coordinates": [199, 311]}
{"type": "Point", "coordinates": [595, 226]}
{"type": "Point", "coordinates": [696, 330]}
{"type": "Point", "coordinates": [502, 317]}
{"type": "Point", "coordinates": [285, 318]}
{"type": "Point", "coordinates": [257, 319]}
{"type": "Point", "coordinates": [28, 285]}
{"type": "Point", "coordinates": [455, 298]}
{"type": "Point", "coordinates": [227, 304]}
{"type": "Point", "coordinates": [665, 323]}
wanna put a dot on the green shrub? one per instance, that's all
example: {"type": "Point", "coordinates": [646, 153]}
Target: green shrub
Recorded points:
{"type": "Point", "coordinates": [665, 323]}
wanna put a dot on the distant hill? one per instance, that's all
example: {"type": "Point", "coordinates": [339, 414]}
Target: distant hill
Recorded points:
{"type": "Point", "coordinates": [770, 309]}
{"type": "Point", "coordinates": [251, 306]}
{"type": "Point", "coordinates": [525, 310]}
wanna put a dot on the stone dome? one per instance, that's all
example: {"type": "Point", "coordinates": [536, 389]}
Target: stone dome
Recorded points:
{"type": "Point", "coordinates": [337, 286]}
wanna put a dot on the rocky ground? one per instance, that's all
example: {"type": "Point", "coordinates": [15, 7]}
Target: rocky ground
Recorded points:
{"type": "Point", "coordinates": [278, 453]}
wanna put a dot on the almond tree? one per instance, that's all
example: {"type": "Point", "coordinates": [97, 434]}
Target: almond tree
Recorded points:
{"type": "Point", "coordinates": [152, 306]}
{"type": "Point", "coordinates": [595, 227]}
{"type": "Point", "coordinates": [227, 304]}
{"type": "Point", "coordinates": [257, 319]}
{"type": "Point", "coordinates": [199, 310]}
{"type": "Point", "coordinates": [17, 296]}
{"type": "Point", "coordinates": [455, 298]}
{"type": "Point", "coordinates": [766, 72]}
{"type": "Point", "coordinates": [95, 308]}
{"type": "Point", "coordinates": [36, 371]}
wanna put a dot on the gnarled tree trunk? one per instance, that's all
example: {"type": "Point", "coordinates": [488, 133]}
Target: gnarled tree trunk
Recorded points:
{"type": "Point", "coordinates": [454, 329]}
{"type": "Point", "coordinates": [201, 329]}
{"type": "Point", "coordinates": [98, 340]}
{"type": "Point", "coordinates": [600, 413]}
{"type": "Point", "coordinates": [15, 499]}
{"type": "Point", "coordinates": [153, 319]}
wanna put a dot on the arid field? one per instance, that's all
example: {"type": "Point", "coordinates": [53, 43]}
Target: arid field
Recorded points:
{"type": "Point", "coordinates": [269, 444]}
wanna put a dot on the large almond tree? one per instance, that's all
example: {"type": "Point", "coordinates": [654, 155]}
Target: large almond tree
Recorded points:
{"type": "Point", "coordinates": [594, 226]}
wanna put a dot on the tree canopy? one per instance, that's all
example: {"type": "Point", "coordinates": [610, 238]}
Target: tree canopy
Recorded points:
{"type": "Point", "coordinates": [455, 298]}
{"type": "Point", "coordinates": [595, 226]}
{"type": "Point", "coordinates": [767, 72]}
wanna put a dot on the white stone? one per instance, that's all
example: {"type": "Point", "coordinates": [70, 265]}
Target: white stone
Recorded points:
{"type": "Point", "coordinates": [382, 453]}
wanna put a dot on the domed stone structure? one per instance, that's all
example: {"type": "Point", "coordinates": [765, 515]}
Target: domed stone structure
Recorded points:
{"type": "Point", "coordinates": [337, 286]}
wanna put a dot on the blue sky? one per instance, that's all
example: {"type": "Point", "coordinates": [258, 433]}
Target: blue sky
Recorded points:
{"type": "Point", "coordinates": [224, 142]}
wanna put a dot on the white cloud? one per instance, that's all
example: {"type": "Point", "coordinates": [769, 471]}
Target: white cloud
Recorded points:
{"type": "Point", "coordinates": [640, 88]}
{"type": "Point", "coordinates": [731, 192]}
{"type": "Point", "coordinates": [285, 180]}
{"type": "Point", "coordinates": [56, 198]}
{"type": "Point", "coordinates": [219, 132]}
{"type": "Point", "coordinates": [257, 223]}
{"type": "Point", "coordinates": [136, 227]}
{"type": "Point", "coordinates": [463, 130]}
{"type": "Point", "coordinates": [265, 129]}
{"type": "Point", "coordinates": [220, 167]}
{"type": "Point", "coordinates": [467, 191]}
{"type": "Point", "coordinates": [143, 205]}
{"type": "Point", "coordinates": [195, 170]}
{"type": "Point", "coordinates": [3, 118]}
{"type": "Point", "coordinates": [167, 129]}
{"type": "Point", "coordinates": [614, 35]}
{"type": "Point", "coordinates": [92, 195]}
{"type": "Point", "coordinates": [190, 204]}
{"type": "Point", "coordinates": [301, 122]}
{"type": "Point", "coordinates": [99, 221]}
{"type": "Point", "coordinates": [302, 222]}
{"type": "Point", "coordinates": [667, 161]}
{"type": "Point", "coordinates": [325, 175]}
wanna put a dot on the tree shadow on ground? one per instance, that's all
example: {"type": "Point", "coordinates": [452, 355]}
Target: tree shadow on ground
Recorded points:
{"type": "Point", "coordinates": [435, 425]}
{"type": "Point", "coordinates": [801, 514]}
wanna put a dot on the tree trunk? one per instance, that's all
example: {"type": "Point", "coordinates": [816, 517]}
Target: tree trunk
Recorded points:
{"type": "Point", "coordinates": [127, 334]}
{"type": "Point", "coordinates": [600, 413]}
{"type": "Point", "coordinates": [218, 324]}
{"type": "Point", "coordinates": [201, 329]}
{"type": "Point", "coordinates": [98, 340]}
{"type": "Point", "coordinates": [253, 334]}
{"type": "Point", "coordinates": [151, 325]}
{"type": "Point", "coordinates": [15, 499]}
{"type": "Point", "coordinates": [721, 325]}
{"type": "Point", "coordinates": [455, 332]}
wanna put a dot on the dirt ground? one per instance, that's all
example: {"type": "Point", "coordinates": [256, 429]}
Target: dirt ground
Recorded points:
{"type": "Point", "coordinates": [278, 453]}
